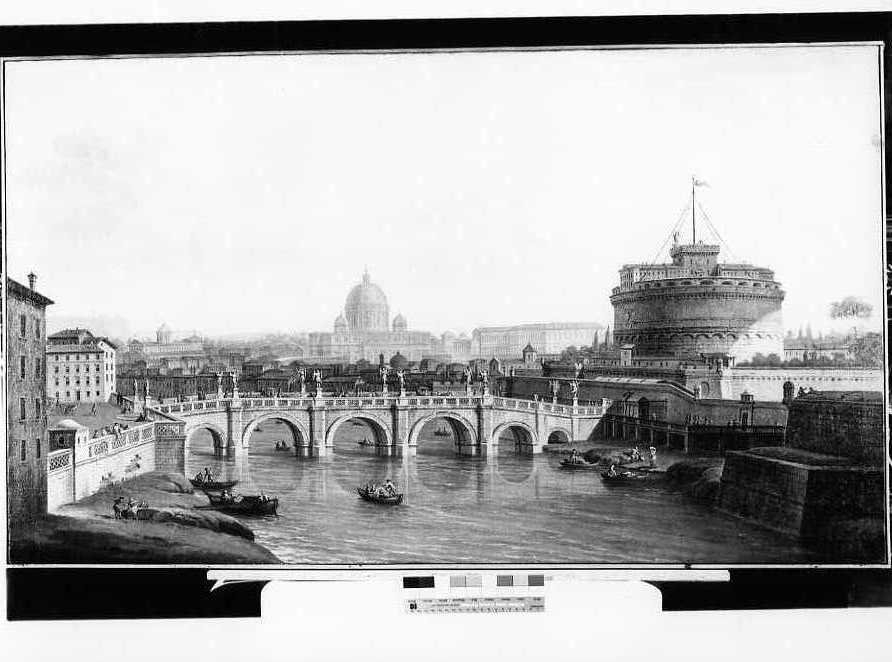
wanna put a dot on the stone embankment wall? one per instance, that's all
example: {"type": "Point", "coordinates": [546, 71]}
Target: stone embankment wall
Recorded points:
{"type": "Point", "coordinates": [796, 497]}
{"type": "Point", "coordinates": [75, 473]}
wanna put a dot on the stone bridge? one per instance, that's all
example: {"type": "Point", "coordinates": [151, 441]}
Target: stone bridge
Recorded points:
{"type": "Point", "coordinates": [477, 422]}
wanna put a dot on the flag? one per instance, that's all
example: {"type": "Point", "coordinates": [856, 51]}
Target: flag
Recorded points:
{"type": "Point", "coordinates": [700, 182]}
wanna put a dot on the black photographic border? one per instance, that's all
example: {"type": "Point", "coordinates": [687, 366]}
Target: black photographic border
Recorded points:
{"type": "Point", "coordinates": [96, 593]}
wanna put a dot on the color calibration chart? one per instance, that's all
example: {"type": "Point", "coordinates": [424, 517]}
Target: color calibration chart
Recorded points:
{"type": "Point", "coordinates": [474, 593]}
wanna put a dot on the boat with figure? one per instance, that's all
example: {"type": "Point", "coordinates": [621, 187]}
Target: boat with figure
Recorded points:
{"type": "Point", "coordinates": [625, 477]}
{"type": "Point", "coordinates": [577, 464]}
{"type": "Point", "coordinates": [213, 485]}
{"type": "Point", "coordinates": [366, 442]}
{"type": "Point", "coordinates": [282, 446]}
{"type": "Point", "coordinates": [245, 505]}
{"type": "Point", "coordinates": [373, 497]}
{"type": "Point", "coordinates": [441, 432]}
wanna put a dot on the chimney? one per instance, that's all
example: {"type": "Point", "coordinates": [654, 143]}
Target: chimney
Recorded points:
{"type": "Point", "coordinates": [32, 280]}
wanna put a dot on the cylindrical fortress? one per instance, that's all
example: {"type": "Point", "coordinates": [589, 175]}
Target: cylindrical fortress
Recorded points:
{"type": "Point", "coordinates": [696, 305]}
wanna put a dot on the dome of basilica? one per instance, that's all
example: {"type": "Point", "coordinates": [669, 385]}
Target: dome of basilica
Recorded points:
{"type": "Point", "coordinates": [366, 308]}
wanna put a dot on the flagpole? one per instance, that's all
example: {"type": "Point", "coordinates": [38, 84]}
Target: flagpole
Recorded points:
{"type": "Point", "coordinates": [693, 207]}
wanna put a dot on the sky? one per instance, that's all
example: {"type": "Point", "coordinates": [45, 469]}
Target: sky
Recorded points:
{"type": "Point", "coordinates": [235, 194]}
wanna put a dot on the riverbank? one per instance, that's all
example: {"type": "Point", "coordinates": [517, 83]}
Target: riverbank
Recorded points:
{"type": "Point", "coordinates": [171, 530]}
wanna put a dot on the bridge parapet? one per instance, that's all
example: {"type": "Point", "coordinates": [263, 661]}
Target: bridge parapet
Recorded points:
{"type": "Point", "coordinates": [382, 402]}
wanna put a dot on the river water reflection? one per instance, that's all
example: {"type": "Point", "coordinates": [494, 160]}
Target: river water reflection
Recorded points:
{"type": "Point", "coordinates": [511, 509]}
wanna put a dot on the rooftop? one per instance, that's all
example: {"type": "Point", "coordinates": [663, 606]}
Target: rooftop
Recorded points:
{"type": "Point", "coordinates": [23, 293]}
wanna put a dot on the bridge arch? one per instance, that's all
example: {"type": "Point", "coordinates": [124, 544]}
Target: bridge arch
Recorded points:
{"type": "Point", "coordinates": [559, 436]}
{"type": "Point", "coordinates": [462, 429]}
{"type": "Point", "coordinates": [380, 427]}
{"type": "Point", "coordinates": [298, 430]}
{"type": "Point", "coordinates": [216, 432]}
{"type": "Point", "coordinates": [523, 433]}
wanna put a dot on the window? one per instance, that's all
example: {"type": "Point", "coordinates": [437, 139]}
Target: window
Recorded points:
{"type": "Point", "coordinates": [78, 357]}
{"type": "Point", "coordinates": [68, 357]}
{"type": "Point", "coordinates": [24, 325]}
{"type": "Point", "coordinates": [22, 412]}
{"type": "Point", "coordinates": [37, 327]}
{"type": "Point", "coordinates": [67, 381]}
{"type": "Point", "coordinates": [57, 394]}
{"type": "Point", "coordinates": [22, 367]}
{"type": "Point", "coordinates": [37, 408]}
{"type": "Point", "coordinates": [97, 392]}
{"type": "Point", "coordinates": [37, 446]}
{"type": "Point", "coordinates": [37, 367]}
{"type": "Point", "coordinates": [57, 382]}
{"type": "Point", "coordinates": [67, 370]}
{"type": "Point", "coordinates": [67, 393]}
{"type": "Point", "coordinates": [56, 368]}
{"type": "Point", "coordinates": [24, 451]}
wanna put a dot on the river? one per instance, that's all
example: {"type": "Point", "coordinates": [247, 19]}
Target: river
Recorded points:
{"type": "Point", "coordinates": [512, 509]}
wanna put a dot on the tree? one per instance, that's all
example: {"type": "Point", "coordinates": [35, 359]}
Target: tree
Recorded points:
{"type": "Point", "coordinates": [850, 307]}
{"type": "Point", "coordinates": [868, 350]}
{"type": "Point", "coordinates": [570, 354]}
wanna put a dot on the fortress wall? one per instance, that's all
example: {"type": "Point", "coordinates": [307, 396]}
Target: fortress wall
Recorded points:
{"type": "Point", "coordinates": [678, 403]}
{"type": "Point", "coordinates": [768, 383]}
{"type": "Point", "coordinates": [691, 320]}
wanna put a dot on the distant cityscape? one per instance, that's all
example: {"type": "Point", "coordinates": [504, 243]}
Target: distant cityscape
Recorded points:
{"type": "Point", "coordinates": [695, 360]}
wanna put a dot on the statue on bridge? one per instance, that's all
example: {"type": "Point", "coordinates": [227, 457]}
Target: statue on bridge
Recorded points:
{"type": "Point", "coordinates": [220, 385]}
{"type": "Point", "coordinates": [468, 378]}
{"type": "Point", "coordinates": [578, 369]}
{"type": "Point", "coordinates": [234, 384]}
{"type": "Point", "coordinates": [484, 377]}
{"type": "Point", "coordinates": [555, 388]}
{"type": "Point", "coordinates": [401, 375]}
{"type": "Point", "coordinates": [302, 378]}
{"type": "Point", "coordinates": [574, 390]}
{"type": "Point", "coordinates": [317, 377]}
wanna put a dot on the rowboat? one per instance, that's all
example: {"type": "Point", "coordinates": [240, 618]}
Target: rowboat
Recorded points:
{"type": "Point", "coordinates": [245, 505]}
{"type": "Point", "coordinates": [212, 485]}
{"type": "Point", "coordinates": [576, 465]}
{"type": "Point", "coordinates": [366, 442]}
{"type": "Point", "coordinates": [626, 477]}
{"type": "Point", "coordinates": [394, 500]}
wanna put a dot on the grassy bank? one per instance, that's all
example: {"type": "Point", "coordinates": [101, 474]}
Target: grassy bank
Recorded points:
{"type": "Point", "coordinates": [173, 530]}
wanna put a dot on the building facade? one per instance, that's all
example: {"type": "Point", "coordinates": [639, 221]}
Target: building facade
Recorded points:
{"type": "Point", "coordinates": [80, 367]}
{"type": "Point", "coordinates": [364, 331]}
{"type": "Point", "coordinates": [696, 305]}
{"type": "Point", "coordinates": [507, 342]}
{"type": "Point", "coordinates": [26, 442]}
{"type": "Point", "coordinates": [188, 354]}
